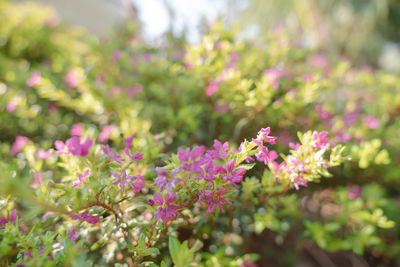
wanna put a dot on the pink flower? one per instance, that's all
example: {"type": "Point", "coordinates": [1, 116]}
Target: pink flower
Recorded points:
{"type": "Point", "coordinates": [72, 78]}
{"type": "Point", "coordinates": [274, 75]}
{"type": "Point", "coordinates": [105, 133]}
{"type": "Point", "coordinates": [81, 178]}
{"type": "Point", "coordinates": [18, 145]}
{"type": "Point", "coordinates": [38, 180]}
{"type": "Point", "coordinates": [296, 165]}
{"type": "Point", "coordinates": [263, 136]}
{"type": "Point", "coordinates": [307, 78]}
{"type": "Point", "coordinates": [299, 181]}
{"type": "Point", "coordinates": [354, 191]}
{"type": "Point", "coordinates": [116, 55]}
{"type": "Point", "coordinates": [166, 210]}
{"type": "Point", "coordinates": [11, 218]}
{"type": "Point", "coordinates": [248, 263]}
{"type": "Point", "coordinates": [134, 90]}
{"type": "Point", "coordinates": [76, 129]}
{"type": "Point", "coordinates": [52, 106]}
{"type": "Point", "coordinates": [128, 142]}
{"type": "Point", "coordinates": [11, 106]}
{"type": "Point", "coordinates": [371, 122]}
{"type": "Point", "coordinates": [74, 145]}
{"type": "Point", "coordinates": [318, 61]}
{"type": "Point", "coordinates": [221, 108]}
{"type": "Point", "coordinates": [42, 154]}
{"type": "Point", "coordinates": [231, 175]}
{"type": "Point", "coordinates": [212, 88]}
{"type": "Point", "coordinates": [35, 79]}
{"type": "Point", "coordinates": [321, 141]}
{"type": "Point", "coordinates": [294, 146]}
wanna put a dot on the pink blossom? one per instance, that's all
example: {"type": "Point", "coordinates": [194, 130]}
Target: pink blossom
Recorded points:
{"type": "Point", "coordinates": [221, 108]}
{"type": "Point", "coordinates": [354, 191]}
{"type": "Point", "coordinates": [307, 78]}
{"type": "Point", "coordinates": [18, 145]}
{"type": "Point", "coordinates": [105, 133]}
{"type": "Point", "coordinates": [299, 181]}
{"type": "Point", "coordinates": [274, 75]}
{"type": "Point", "coordinates": [294, 146]}
{"type": "Point", "coordinates": [38, 179]}
{"type": "Point", "coordinates": [116, 55]}
{"type": "Point", "coordinates": [263, 136]}
{"type": "Point", "coordinates": [35, 79]}
{"type": "Point", "coordinates": [76, 129]}
{"type": "Point", "coordinates": [42, 154]}
{"type": "Point", "coordinates": [134, 90]}
{"type": "Point", "coordinates": [11, 106]}
{"type": "Point", "coordinates": [371, 122]}
{"type": "Point", "coordinates": [74, 146]}
{"type": "Point", "coordinates": [81, 178]}
{"type": "Point", "coordinates": [318, 61]}
{"type": "Point", "coordinates": [212, 88]}
{"type": "Point", "coordinates": [321, 141]}
{"type": "Point", "coordinates": [351, 118]}
{"type": "Point", "coordinates": [53, 107]}
{"type": "Point", "coordinates": [72, 78]}
{"type": "Point", "coordinates": [100, 81]}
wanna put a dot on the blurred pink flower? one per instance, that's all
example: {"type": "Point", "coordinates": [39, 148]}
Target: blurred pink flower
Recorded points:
{"type": "Point", "coordinates": [105, 133]}
{"type": "Point", "coordinates": [212, 88]}
{"type": "Point", "coordinates": [116, 55]}
{"type": "Point", "coordinates": [35, 79]}
{"type": "Point", "coordinates": [11, 106]}
{"type": "Point", "coordinates": [354, 191]}
{"type": "Point", "coordinates": [19, 144]}
{"type": "Point", "coordinates": [72, 78]}
{"type": "Point", "coordinates": [76, 129]}
{"type": "Point", "coordinates": [134, 90]}
{"type": "Point", "coordinates": [42, 154]}
{"type": "Point", "coordinates": [38, 179]}
{"type": "Point", "coordinates": [371, 122]}
{"type": "Point", "coordinates": [274, 75]}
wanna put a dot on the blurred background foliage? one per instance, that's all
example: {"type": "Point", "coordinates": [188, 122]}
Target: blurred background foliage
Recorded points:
{"type": "Point", "coordinates": [190, 94]}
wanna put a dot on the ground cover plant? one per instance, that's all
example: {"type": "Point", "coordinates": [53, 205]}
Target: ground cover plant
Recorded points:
{"type": "Point", "coordinates": [225, 153]}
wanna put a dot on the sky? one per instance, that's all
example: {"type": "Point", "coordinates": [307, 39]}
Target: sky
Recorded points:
{"type": "Point", "coordinates": [155, 17]}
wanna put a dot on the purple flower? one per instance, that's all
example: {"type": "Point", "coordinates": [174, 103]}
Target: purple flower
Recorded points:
{"type": "Point", "coordinates": [354, 191]}
{"type": "Point", "coordinates": [213, 199]}
{"type": "Point", "coordinates": [163, 181]}
{"type": "Point", "coordinates": [263, 155]}
{"type": "Point", "coordinates": [81, 178]}
{"type": "Point", "coordinates": [85, 217]}
{"type": "Point", "coordinates": [135, 156]}
{"type": "Point", "coordinates": [35, 79]}
{"type": "Point", "coordinates": [11, 218]}
{"type": "Point", "coordinates": [18, 145]}
{"type": "Point", "coordinates": [166, 210]}
{"type": "Point", "coordinates": [106, 149]}
{"type": "Point", "coordinates": [219, 150]}
{"type": "Point", "coordinates": [117, 158]}
{"type": "Point", "coordinates": [137, 185]}
{"type": "Point", "coordinates": [72, 234]}
{"type": "Point", "coordinates": [128, 142]}
{"type": "Point", "coordinates": [296, 165]}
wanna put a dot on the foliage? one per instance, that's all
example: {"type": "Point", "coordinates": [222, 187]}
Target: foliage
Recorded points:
{"type": "Point", "coordinates": [117, 152]}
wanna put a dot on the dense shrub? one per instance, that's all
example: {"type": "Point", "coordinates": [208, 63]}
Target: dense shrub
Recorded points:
{"type": "Point", "coordinates": [110, 152]}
